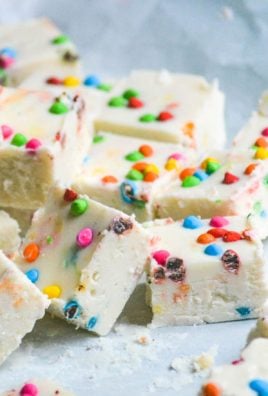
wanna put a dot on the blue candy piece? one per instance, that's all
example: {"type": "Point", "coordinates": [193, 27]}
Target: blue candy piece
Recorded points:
{"type": "Point", "coordinates": [201, 175]}
{"type": "Point", "coordinates": [243, 311]}
{"type": "Point", "coordinates": [128, 191]}
{"type": "Point", "coordinates": [72, 310]}
{"type": "Point", "coordinates": [213, 250]}
{"type": "Point", "coordinates": [9, 52]}
{"type": "Point", "coordinates": [259, 386]}
{"type": "Point", "coordinates": [92, 322]}
{"type": "Point", "coordinates": [92, 81]}
{"type": "Point", "coordinates": [192, 222]}
{"type": "Point", "coordinates": [264, 214]}
{"type": "Point", "coordinates": [33, 275]}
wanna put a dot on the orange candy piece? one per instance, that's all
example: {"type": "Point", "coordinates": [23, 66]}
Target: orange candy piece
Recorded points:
{"type": "Point", "coordinates": [261, 142]}
{"type": "Point", "coordinates": [140, 166]}
{"type": "Point", "coordinates": [211, 389]}
{"type": "Point", "coordinates": [146, 150]}
{"type": "Point", "coordinates": [250, 168]}
{"type": "Point", "coordinates": [31, 252]}
{"type": "Point", "coordinates": [150, 177]}
{"type": "Point", "coordinates": [188, 129]}
{"type": "Point", "coordinates": [187, 172]}
{"type": "Point", "coordinates": [109, 179]}
{"type": "Point", "coordinates": [205, 238]}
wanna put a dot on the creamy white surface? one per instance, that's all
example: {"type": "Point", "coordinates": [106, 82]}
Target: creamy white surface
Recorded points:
{"type": "Point", "coordinates": [9, 234]}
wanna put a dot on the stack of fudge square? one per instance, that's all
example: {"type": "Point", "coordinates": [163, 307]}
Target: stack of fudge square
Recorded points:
{"type": "Point", "coordinates": [102, 180]}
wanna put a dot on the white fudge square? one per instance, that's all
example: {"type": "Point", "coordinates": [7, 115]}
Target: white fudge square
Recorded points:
{"type": "Point", "coordinates": [86, 257]}
{"type": "Point", "coordinates": [22, 305]}
{"type": "Point", "coordinates": [205, 270]}
{"type": "Point", "coordinates": [9, 234]}
{"type": "Point", "coordinates": [247, 376]}
{"type": "Point", "coordinates": [222, 184]}
{"type": "Point", "coordinates": [32, 45]}
{"type": "Point", "coordinates": [126, 173]}
{"type": "Point", "coordinates": [43, 139]}
{"type": "Point", "coordinates": [175, 108]}
{"type": "Point", "coordinates": [42, 387]}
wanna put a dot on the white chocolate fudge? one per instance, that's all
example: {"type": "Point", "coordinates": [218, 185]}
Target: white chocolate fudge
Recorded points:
{"type": "Point", "coordinates": [86, 257]}
{"type": "Point", "coordinates": [22, 305]}
{"type": "Point", "coordinates": [247, 376]}
{"type": "Point", "coordinates": [205, 270]}
{"type": "Point", "coordinates": [92, 88]}
{"type": "Point", "coordinates": [38, 387]}
{"type": "Point", "coordinates": [43, 139]}
{"type": "Point", "coordinates": [125, 173]}
{"type": "Point", "coordinates": [21, 217]}
{"type": "Point", "coordinates": [175, 108]}
{"type": "Point", "coordinates": [222, 184]}
{"type": "Point", "coordinates": [9, 234]}
{"type": "Point", "coordinates": [26, 47]}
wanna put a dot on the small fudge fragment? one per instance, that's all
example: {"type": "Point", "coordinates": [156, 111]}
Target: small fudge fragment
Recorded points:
{"type": "Point", "coordinates": [221, 184]}
{"type": "Point", "coordinates": [22, 305]}
{"type": "Point", "coordinates": [38, 387]}
{"type": "Point", "coordinates": [125, 173]}
{"type": "Point", "coordinates": [261, 328]}
{"type": "Point", "coordinates": [43, 139]}
{"type": "Point", "coordinates": [92, 88]}
{"type": "Point", "coordinates": [175, 108]}
{"type": "Point", "coordinates": [247, 376]}
{"type": "Point", "coordinates": [86, 257]}
{"type": "Point", "coordinates": [28, 46]}
{"type": "Point", "coordinates": [9, 234]}
{"type": "Point", "coordinates": [205, 270]}
{"type": "Point", "coordinates": [23, 217]}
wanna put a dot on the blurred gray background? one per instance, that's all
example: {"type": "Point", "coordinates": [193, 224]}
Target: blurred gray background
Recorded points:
{"type": "Point", "coordinates": [215, 38]}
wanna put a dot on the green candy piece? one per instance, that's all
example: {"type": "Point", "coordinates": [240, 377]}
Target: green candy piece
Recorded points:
{"type": "Point", "coordinates": [19, 140]}
{"type": "Point", "coordinates": [134, 174]}
{"type": "Point", "coordinates": [265, 181]}
{"type": "Point", "coordinates": [98, 139]}
{"type": "Point", "coordinates": [79, 206]}
{"type": "Point", "coordinates": [104, 87]}
{"type": "Point", "coordinates": [49, 239]}
{"type": "Point", "coordinates": [257, 207]}
{"type": "Point", "coordinates": [212, 167]}
{"type": "Point", "coordinates": [190, 181]}
{"type": "Point", "coordinates": [134, 156]}
{"type": "Point", "coordinates": [148, 118]}
{"type": "Point", "coordinates": [117, 101]}
{"type": "Point", "coordinates": [130, 93]}
{"type": "Point", "coordinates": [58, 108]}
{"type": "Point", "coordinates": [62, 39]}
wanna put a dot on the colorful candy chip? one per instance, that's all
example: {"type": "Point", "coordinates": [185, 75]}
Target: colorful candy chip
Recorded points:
{"type": "Point", "coordinates": [148, 118]}
{"type": "Point", "coordinates": [250, 169]}
{"type": "Point", "coordinates": [130, 93]}
{"type": "Point", "coordinates": [31, 252]}
{"type": "Point", "coordinates": [205, 238]}
{"type": "Point", "coordinates": [62, 39]}
{"type": "Point", "coordinates": [92, 81]}
{"type": "Point", "coordinates": [260, 386]}
{"type": "Point", "coordinates": [33, 144]}
{"type": "Point", "coordinates": [230, 178]}
{"type": "Point", "coordinates": [192, 222]}
{"type": "Point", "coordinates": [231, 261]}
{"type": "Point", "coordinates": [135, 175]}
{"type": "Point", "coordinates": [117, 101]}
{"type": "Point", "coordinates": [58, 108]}
{"type": "Point", "coordinates": [70, 195]}
{"type": "Point", "coordinates": [211, 389]}
{"type": "Point", "coordinates": [213, 250]}
{"type": "Point", "coordinates": [84, 237]}
{"type": "Point", "coordinates": [190, 181]}
{"type": "Point", "coordinates": [146, 150]}
{"type": "Point", "coordinates": [19, 140]}
{"type": "Point", "coordinates": [79, 207]}
{"type": "Point", "coordinates": [33, 275]}
{"type": "Point", "coordinates": [212, 167]}
{"type": "Point", "coordinates": [135, 103]}
{"type": "Point", "coordinates": [92, 322]}
{"type": "Point", "coordinates": [72, 310]}
{"type": "Point", "coordinates": [134, 156]}
{"type": "Point", "coordinates": [54, 80]}
{"type": "Point", "coordinates": [231, 236]}
{"type": "Point", "coordinates": [161, 256]}
{"type": "Point", "coordinates": [261, 153]}
{"type": "Point", "coordinates": [7, 131]}
{"type": "Point", "coordinates": [109, 179]}
{"type": "Point", "coordinates": [218, 221]}
{"type": "Point", "coordinates": [243, 311]}
{"type": "Point", "coordinates": [52, 291]}
{"type": "Point", "coordinates": [128, 191]}
{"type": "Point", "coordinates": [165, 116]}
{"type": "Point", "coordinates": [29, 389]}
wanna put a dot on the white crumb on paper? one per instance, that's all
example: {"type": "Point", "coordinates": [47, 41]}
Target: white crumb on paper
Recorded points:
{"type": "Point", "coordinates": [227, 13]}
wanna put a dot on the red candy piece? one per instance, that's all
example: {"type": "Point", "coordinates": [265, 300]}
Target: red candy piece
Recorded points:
{"type": "Point", "coordinates": [229, 178]}
{"type": "Point", "coordinates": [161, 256]}
{"type": "Point", "coordinates": [29, 390]}
{"type": "Point", "coordinates": [231, 261]}
{"type": "Point", "coordinates": [6, 131]}
{"type": "Point", "coordinates": [54, 81]}
{"type": "Point", "coordinates": [218, 221]}
{"type": "Point", "coordinates": [135, 103]}
{"type": "Point", "coordinates": [165, 116]}
{"type": "Point", "coordinates": [217, 232]}
{"type": "Point", "coordinates": [69, 195]}
{"type": "Point", "coordinates": [33, 144]}
{"type": "Point", "coordinates": [231, 236]}
{"type": "Point", "coordinates": [6, 62]}
{"type": "Point", "coordinates": [264, 132]}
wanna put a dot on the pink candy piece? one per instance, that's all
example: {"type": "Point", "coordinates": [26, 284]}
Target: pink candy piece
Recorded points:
{"type": "Point", "coordinates": [161, 256]}
{"type": "Point", "coordinates": [178, 156]}
{"type": "Point", "coordinates": [84, 237]}
{"type": "Point", "coordinates": [33, 144]}
{"type": "Point", "coordinates": [218, 221]}
{"type": "Point", "coordinates": [6, 131]}
{"type": "Point", "coordinates": [6, 62]}
{"type": "Point", "coordinates": [264, 132]}
{"type": "Point", "coordinates": [29, 390]}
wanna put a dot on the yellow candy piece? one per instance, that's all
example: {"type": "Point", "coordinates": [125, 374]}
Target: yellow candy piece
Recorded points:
{"type": "Point", "coordinates": [205, 162]}
{"type": "Point", "coordinates": [52, 291]}
{"type": "Point", "coordinates": [151, 168]}
{"type": "Point", "coordinates": [157, 309]}
{"type": "Point", "coordinates": [172, 164]}
{"type": "Point", "coordinates": [71, 81]}
{"type": "Point", "coordinates": [261, 153]}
